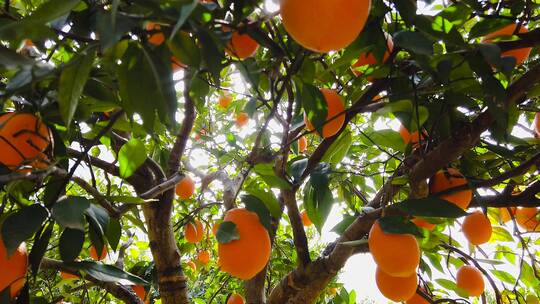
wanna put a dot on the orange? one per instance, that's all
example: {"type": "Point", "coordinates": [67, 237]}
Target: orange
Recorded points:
{"type": "Point", "coordinates": [215, 228]}
{"type": "Point", "coordinates": [335, 117]}
{"type": "Point", "coordinates": [198, 135]}
{"type": "Point", "coordinates": [306, 221]}
{"type": "Point", "coordinates": [519, 54]}
{"type": "Point", "coordinates": [369, 58]}
{"type": "Point", "coordinates": [396, 288]}
{"type": "Point", "coordinates": [177, 65]}
{"type": "Point", "coordinates": [537, 124]}
{"type": "Point", "coordinates": [332, 291]}
{"type": "Point", "coordinates": [185, 188]}
{"type": "Point", "coordinates": [506, 216]}
{"type": "Point", "coordinates": [156, 37]}
{"type": "Point", "coordinates": [94, 256]}
{"type": "Point", "coordinates": [417, 299]}
{"type": "Point", "coordinates": [194, 232]}
{"type": "Point", "coordinates": [247, 256]}
{"type": "Point", "coordinates": [242, 119]}
{"type": "Point", "coordinates": [302, 144]}
{"type": "Point", "coordinates": [140, 291]}
{"type": "Point", "coordinates": [192, 265]}
{"type": "Point", "coordinates": [442, 181]}
{"type": "Point", "coordinates": [477, 228]}
{"type": "Point", "coordinates": [241, 46]}
{"type": "Point", "coordinates": [13, 268]}
{"type": "Point", "coordinates": [235, 299]}
{"type": "Point", "coordinates": [470, 280]}
{"type": "Point", "coordinates": [224, 100]}
{"type": "Point", "coordinates": [322, 25]}
{"type": "Point", "coordinates": [421, 223]}
{"type": "Point", "coordinates": [396, 254]}
{"type": "Point", "coordinates": [407, 137]}
{"type": "Point", "coordinates": [23, 138]}
{"type": "Point", "coordinates": [203, 257]}
{"type": "Point", "coordinates": [526, 218]}
{"type": "Point", "coordinates": [68, 276]}
{"type": "Point", "coordinates": [531, 299]}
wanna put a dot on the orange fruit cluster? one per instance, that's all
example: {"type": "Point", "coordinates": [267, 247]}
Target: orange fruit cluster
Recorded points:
{"type": "Point", "coordinates": [23, 139]}
{"type": "Point", "coordinates": [194, 232]}
{"type": "Point", "coordinates": [13, 268]}
{"type": "Point", "coordinates": [335, 117]}
{"type": "Point", "coordinates": [322, 25]}
{"type": "Point", "coordinates": [185, 188]}
{"type": "Point", "coordinates": [247, 256]}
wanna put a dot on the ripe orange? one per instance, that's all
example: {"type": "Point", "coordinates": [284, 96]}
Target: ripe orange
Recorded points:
{"type": "Point", "coordinates": [442, 181]}
{"type": "Point", "coordinates": [537, 124]}
{"type": "Point", "coordinates": [192, 265]}
{"type": "Point", "coordinates": [332, 291]}
{"type": "Point", "coordinates": [247, 256]}
{"type": "Point", "coordinates": [470, 280]}
{"type": "Point", "coordinates": [242, 119]}
{"type": "Point", "coordinates": [68, 276]}
{"type": "Point", "coordinates": [203, 257]}
{"type": "Point", "coordinates": [421, 223]}
{"type": "Point", "coordinates": [13, 268]}
{"type": "Point", "coordinates": [177, 65]}
{"type": "Point", "coordinates": [194, 232]}
{"type": "Point", "coordinates": [323, 25]}
{"type": "Point", "coordinates": [23, 138]}
{"type": "Point", "coordinates": [526, 218]}
{"type": "Point", "coordinates": [140, 291]}
{"type": "Point", "coordinates": [215, 228]}
{"type": "Point", "coordinates": [506, 216]}
{"type": "Point", "coordinates": [369, 58]}
{"type": "Point", "coordinates": [396, 288]}
{"type": "Point", "coordinates": [224, 100]}
{"type": "Point", "coordinates": [417, 299]}
{"type": "Point", "coordinates": [302, 144]}
{"type": "Point", "coordinates": [477, 228]}
{"type": "Point", "coordinates": [519, 54]}
{"type": "Point", "coordinates": [396, 254]}
{"type": "Point", "coordinates": [306, 221]}
{"type": "Point", "coordinates": [241, 46]}
{"type": "Point", "coordinates": [156, 37]}
{"type": "Point", "coordinates": [235, 299]}
{"type": "Point", "coordinates": [407, 137]}
{"type": "Point", "coordinates": [185, 188]}
{"type": "Point", "coordinates": [94, 256]}
{"type": "Point", "coordinates": [335, 117]}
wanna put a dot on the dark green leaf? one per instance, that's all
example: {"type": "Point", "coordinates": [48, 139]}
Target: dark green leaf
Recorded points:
{"type": "Point", "coordinates": [407, 10]}
{"type": "Point", "coordinates": [40, 247]}
{"type": "Point", "coordinates": [131, 156]}
{"type": "Point", "coordinates": [227, 232]}
{"type": "Point", "coordinates": [71, 243]}
{"type": "Point", "coordinates": [254, 204]}
{"type": "Point", "coordinates": [344, 224]}
{"type": "Point", "coordinates": [488, 25]}
{"type": "Point", "coordinates": [52, 10]}
{"type": "Point", "coordinates": [185, 49]}
{"type": "Point", "coordinates": [11, 60]}
{"type": "Point", "coordinates": [114, 232]}
{"type": "Point", "coordinates": [298, 167]}
{"type": "Point", "coordinates": [108, 273]}
{"type": "Point", "coordinates": [111, 27]}
{"type": "Point", "coordinates": [98, 217]}
{"type": "Point", "coordinates": [269, 200]}
{"type": "Point", "coordinates": [21, 225]}
{"type": "Point", "coordinates": [431, 207]}
{"type": "Point", "coordinates": [314, 105]}
{"type": "Point", "coordinates": [69, 212]}
{"type": "Point", "coordinates": [415, 42]}
{"type": "Point", "coordinates": [338, 149]}
{"type": "Point", "coordinates": [212, 54]}
{"type": "Point", "coordinates": [399, 225]}
{"type": "Point", "coordinates": [185, 12]}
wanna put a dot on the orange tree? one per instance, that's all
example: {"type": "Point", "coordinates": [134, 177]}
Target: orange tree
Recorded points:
{"type": "Point", "coordinates": [115, 139]}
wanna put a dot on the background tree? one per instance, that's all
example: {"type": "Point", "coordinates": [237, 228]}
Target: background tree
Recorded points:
{"type": "Point", "coordinates": [112, 105]}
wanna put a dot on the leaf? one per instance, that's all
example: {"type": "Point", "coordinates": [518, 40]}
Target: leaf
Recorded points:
{"type": "Point", "coordinates": [503, 276]}
{"type": "Point", "coordinates": [501, 235]}
{"type": "Point", "coordinates": [399, 225]}
{"type": "Point", "coordinates": [71, 243]}
{"type": "Point", "coordinates": [114, 232]}
{"type": "Point", "coordinates": [212, 54]}
{"type": "Point", "coordinates": [447, 284]}
{"type": "Point", "coordinates": [72, 81]}
{"type": "Point", "coordinates": [69, 212]}
{"type": "Point", "coordinates": [338, 149]}
{"type": "Point", "coordinates": [314, 105]}
{"type": "Point", "coordinates": [99, 218]}
{"type": "Point", "coordinates": [227, 232]}
{"type": "Point", "coordinates": [340, 227]}
{"type": "Point", "coordinates": [186, 50]}
{"type": "Point", "coordinates": [269, 200]}
{"type": "Point", "coordinates": [415, 42]}
{"type": "Point", "coordinates": [111, 27]}
{"type": "Point", "coordinates": [130, 199]}
{"type": "Point", "coordinates": [256, 205]}
{"type": "Point", "coordinates": [298, 167]}
{"type": "Point", "coordinates": [486, 26]}
{"type": "Point", "coordinates": [131, 156]}
{"type": "Point", "coordinates": [185, 12]}
{"type": "Point", "coordinates": [21, 225]}
{"type": "Point", "coordinates": [355, 243]}
{"type": "Point", "coordinates": [51, 10]}
{"type": "Point", "coordinates": [11, 60]}
{"type": "Point", "coordinates": [266, 172]}
{"type": "Point", "coordinates": [40, 247]}
{"type": "Point", "coordinates": [108, 273]}
{"type": "Point", "coordinates": [318, 203]}
{"type": "Point", "coordinates": [430, 207]}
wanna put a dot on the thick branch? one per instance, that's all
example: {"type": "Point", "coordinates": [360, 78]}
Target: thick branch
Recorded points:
{"type": "Point", "coordinates": [299, 234]}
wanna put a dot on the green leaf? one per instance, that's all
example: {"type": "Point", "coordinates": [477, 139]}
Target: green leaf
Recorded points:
{"type": "Point", "coordinates": [21, 225]}
{"type": "Point", "coordinates": [212, 54]}
{"type": "Point", "coordinates": [129, 199]}
{"type": "Point", "coordinates": [298, 166]}
{"type": "Point", "coordinates": [399, 225]}
{"type": "Point", "coordinates": [186, 50]}
{"type": "Point", "coordinates": [488, 25]}
{"type": "Point", "coordinates": [256, 205]}
{"type": "Point", "coordinates": [430, 207]}
{"type": "Point", "coordinates": [415, 42]}
{"type": "Point", "coordinates": [11, 60]}
{"type": "Point", "coordinates": [385, 138]}
{"type": "Point", "coordinates": [98, 218]}
{"type": "Point", "coordinates": [503, 276]}
{"type": "Point", "coordinates": [185, 12]}
{"type": "Point", "coordinates": [227, 232]}
{"type": "Point", "coordinates": [131, 156]}
{"type": "Point", "coordinates": [269, 200]}
{"type": "Point", "coordinates": [355, 243]}
{"type": "Point", "coordinates": [111, 27]}
{"type": "Point", "coordinates": [266, 172]}
{"type": "Point", "coordinates": [318, 202]}
{"type": "Point", "coordinates": [69, 212]}
{"type": "Point", "coordinates": [340, 227]}
{"type": "Point", "coordinates": [108, 273]}
{"type": "Point", "coordinates": [447, 284]}
{"type": "Point", "coordinates": [113, 233]}
{"type": "Point", "coordinates": [500, 234]}
{"type": "Point", "coordinates": [338, 149]}
{"type": "Point", "coordinates": [71, 243]}
{"type": "Point", "coordinates": [314, 104]}
{"type": "Point", "coordinates": [39, 248]}
{"type": "Point", "coordinates": [51, 10]}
